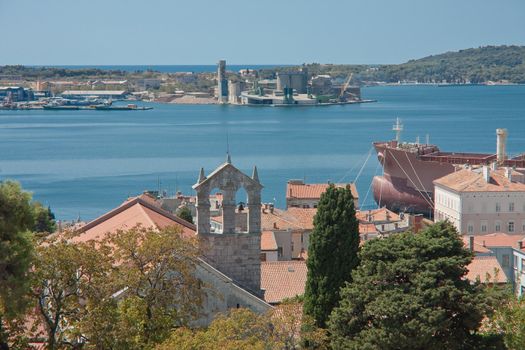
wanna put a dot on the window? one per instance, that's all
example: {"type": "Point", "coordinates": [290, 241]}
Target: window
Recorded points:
{"type": "Point", "coordinates": [511, 206]}
{"type": "Point", "coordinates": [470, 228]}
{"type": "Point", "coordinates": [505, 260]}
{"type": "Point", "coordinates": [280, 252]}
{"type": "Point", "coordinates": [497, 226]}
{"type": "Point", "coordinates": [498, 207]}
{"type": "Point", "coordinates": [511, 226]}
{"type": "Point", "coordinates": [263, 257]}
{"type": "Point", "coordinates": [523, 226]}
{"type": "Point", "coordinates": [484, 227]}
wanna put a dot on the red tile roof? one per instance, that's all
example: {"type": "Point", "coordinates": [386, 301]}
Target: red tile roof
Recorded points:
{"type": "Point", "coordinates": [312, 191]}
{"type": "Point", "coordinates": [486, 268]}
{"type": "Point", "coordinates": [467, 180]}
{"type": "Point", "coordinates": [268, 241]}
{"type": "Point", "coordinates": [482, 243]}
{"type": "Point", "coordinates": [133, 212]}
{"type": "Point", "coordinates": [282, 279]}
{"type": "Point", "coordinates": [381, 214]}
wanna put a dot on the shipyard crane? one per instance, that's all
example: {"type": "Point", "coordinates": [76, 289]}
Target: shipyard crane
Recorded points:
{"type": "Point", "coordinates": [345, 86]}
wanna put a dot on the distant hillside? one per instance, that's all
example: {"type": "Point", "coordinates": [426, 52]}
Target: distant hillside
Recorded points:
{"type": "Point", "coordinates": [471, 65]}
{"type": "Point", "coordinates": [474, 65]}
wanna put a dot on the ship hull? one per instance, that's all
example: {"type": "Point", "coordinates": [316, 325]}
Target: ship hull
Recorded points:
{"type": "Point", "coordinates": [407, 182]}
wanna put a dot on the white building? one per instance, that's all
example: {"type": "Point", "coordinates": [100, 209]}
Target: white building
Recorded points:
{"type": "Point", "coordinates": [481, 201]}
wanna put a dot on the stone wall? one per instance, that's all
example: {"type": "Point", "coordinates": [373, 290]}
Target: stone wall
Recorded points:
{"type": "Point", "coordinates": [237, 256]}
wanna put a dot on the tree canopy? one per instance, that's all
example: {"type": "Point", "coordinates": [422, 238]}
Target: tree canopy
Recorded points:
{"type": "Point", "coordinates": [16, 253]}
{"type": "Point", "coordinates": [409, 292]}
{"type": "Point", "coordinates": [332, 252]}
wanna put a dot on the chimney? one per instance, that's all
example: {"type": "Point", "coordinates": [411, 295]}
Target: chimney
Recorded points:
{"type": "Point", "coordinates": [471, 243]}
{"type": "Point", "coordinates": [486, 173]}
{"type": "Point", "coordinates": [417, 223]}
{"type": "Point", "coordinates": [501, 143]}
{"type": "Point", "coordinates": [508, 173]}
{"type": "Point", "coordinates": [275, 225]}
{"type": "Point", "coordinates": [520, 245]}
{"type": "Point", "coordinates": [494, 166]}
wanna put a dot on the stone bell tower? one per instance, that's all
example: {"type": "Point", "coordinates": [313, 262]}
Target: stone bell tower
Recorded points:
{"type": "Point", "coordinates": [236, 254]}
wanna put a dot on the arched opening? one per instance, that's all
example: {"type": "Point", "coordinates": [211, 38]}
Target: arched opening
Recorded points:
{"type": "Point", "coordinates": [241, 210]}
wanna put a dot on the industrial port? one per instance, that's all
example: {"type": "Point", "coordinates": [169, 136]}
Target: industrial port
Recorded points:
{"type": "Point", "coordinates": [279, 87]}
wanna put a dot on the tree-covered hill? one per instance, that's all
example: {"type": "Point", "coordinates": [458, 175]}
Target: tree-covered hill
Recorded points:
{"type": "Point", "coordinates": [477, 65]}
{"type": "Point", "coordinates": [489, 63]}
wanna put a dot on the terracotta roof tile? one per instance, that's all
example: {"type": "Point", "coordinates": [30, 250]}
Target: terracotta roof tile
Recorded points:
{"type": "Point", "coordinates": [131, 213]}
{"type": "Point", "coordinates": [483, 243]}
{"type": "Point", "coordinates": [467, 180]}
{"type": "Point", "coordinates": [381, 214]}
{"type": "Point", "coordinates": [483, 266]}
{"type": "Point", "coordinates": [268, 241]}
{"type": "Point", "coordinates": [282, 279]}
{"type": "Point", "coordinates": [312, 191]}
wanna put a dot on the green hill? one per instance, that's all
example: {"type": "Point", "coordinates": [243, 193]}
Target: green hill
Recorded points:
{"type": "Point", "coordinates": [475, 65]}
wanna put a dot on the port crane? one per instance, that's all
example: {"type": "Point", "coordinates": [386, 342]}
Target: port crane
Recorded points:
{"type": "Point", "coordinates": [345, 86]}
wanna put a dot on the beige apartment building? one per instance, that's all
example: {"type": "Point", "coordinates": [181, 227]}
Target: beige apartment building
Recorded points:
{"type": "Point", "coordinates": [483, 200]}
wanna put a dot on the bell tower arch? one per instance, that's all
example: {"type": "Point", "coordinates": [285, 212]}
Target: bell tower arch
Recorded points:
{"type": "Point", "coordinates": [234, 253]}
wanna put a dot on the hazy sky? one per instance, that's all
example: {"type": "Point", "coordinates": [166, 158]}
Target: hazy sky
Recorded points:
{"type": "Point", "coordinates": [250, 32]}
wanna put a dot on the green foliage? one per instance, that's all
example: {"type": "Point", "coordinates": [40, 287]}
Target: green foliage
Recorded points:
{"type": "Point", "coordinates": [127, 291]}
{"type": "Point", "coordinates": [332, 253]}
{"type": "Point", "coordinates": [509, 320]}
{"type": "Point", "coordinates": [243, 329]}
{"type": "Point", "coordinates": [16, 253]}
{"type": "Point", "coordinates": [185, 214]}
{"type": "Point", "coordinates": [409, 292]}
{"type": "Point", "coordinates": [66, 277]}
{"type": "Point", "coordinates": [155, 285]}
{"type": "Point", "coordinates": [44, 219]}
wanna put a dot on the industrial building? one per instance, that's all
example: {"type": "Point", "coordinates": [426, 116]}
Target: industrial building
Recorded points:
{"type": "Point", "coordinates": [16, 94]}
{"type": "Point", "coordinates": [107, 94]}
{"type": "Point", "coordinates": [222, 83]}
{"type": "Point", "coordinates": [294, 80]}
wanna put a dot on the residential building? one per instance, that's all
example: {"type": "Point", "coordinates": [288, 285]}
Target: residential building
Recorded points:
{"type": "Point", "coordinates": [483, 200]}
{"type": "Point", "coordinates": [302, 195]}
{"type": "Point", "coordinates": [507, 250]}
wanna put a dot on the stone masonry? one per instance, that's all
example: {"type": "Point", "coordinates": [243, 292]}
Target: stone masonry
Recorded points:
{"type": "Point", "coordinates": [236, 254]}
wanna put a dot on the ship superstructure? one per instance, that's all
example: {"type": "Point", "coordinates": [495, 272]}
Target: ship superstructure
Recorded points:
{"type": "Point", "coordinates": [410, 168]}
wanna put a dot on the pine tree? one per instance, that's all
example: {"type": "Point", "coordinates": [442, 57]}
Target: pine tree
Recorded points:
{"type": "Point", "coordinates": [332, 253]}
{"type": "Point", "coordinates": [409, 292]}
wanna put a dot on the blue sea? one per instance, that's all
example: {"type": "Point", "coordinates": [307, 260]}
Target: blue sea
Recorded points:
{"type": "Point", "coordinates": [84, 163]}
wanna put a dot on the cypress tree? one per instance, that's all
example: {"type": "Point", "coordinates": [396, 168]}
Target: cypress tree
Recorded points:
{"type": "Point", "coordinates": [332, 252]}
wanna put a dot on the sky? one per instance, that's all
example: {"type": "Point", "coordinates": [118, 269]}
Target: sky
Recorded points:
{"type": "Point", "coordinates": [150, 32]}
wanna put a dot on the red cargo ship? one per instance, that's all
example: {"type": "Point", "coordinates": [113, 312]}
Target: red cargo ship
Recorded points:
{"type": "Point", "coordinates": [410, 168]}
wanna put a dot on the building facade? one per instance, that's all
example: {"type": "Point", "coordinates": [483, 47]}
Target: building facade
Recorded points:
{"type": "Point", "coordinates": [482, 200]}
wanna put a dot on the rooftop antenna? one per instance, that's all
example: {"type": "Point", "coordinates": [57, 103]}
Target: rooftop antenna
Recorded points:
{"type": "Point", "coordinates": [398, 127]}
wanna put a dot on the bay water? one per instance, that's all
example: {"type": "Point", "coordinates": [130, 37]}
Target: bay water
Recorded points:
{"type": "Point", "coordinates": [84, 163]}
